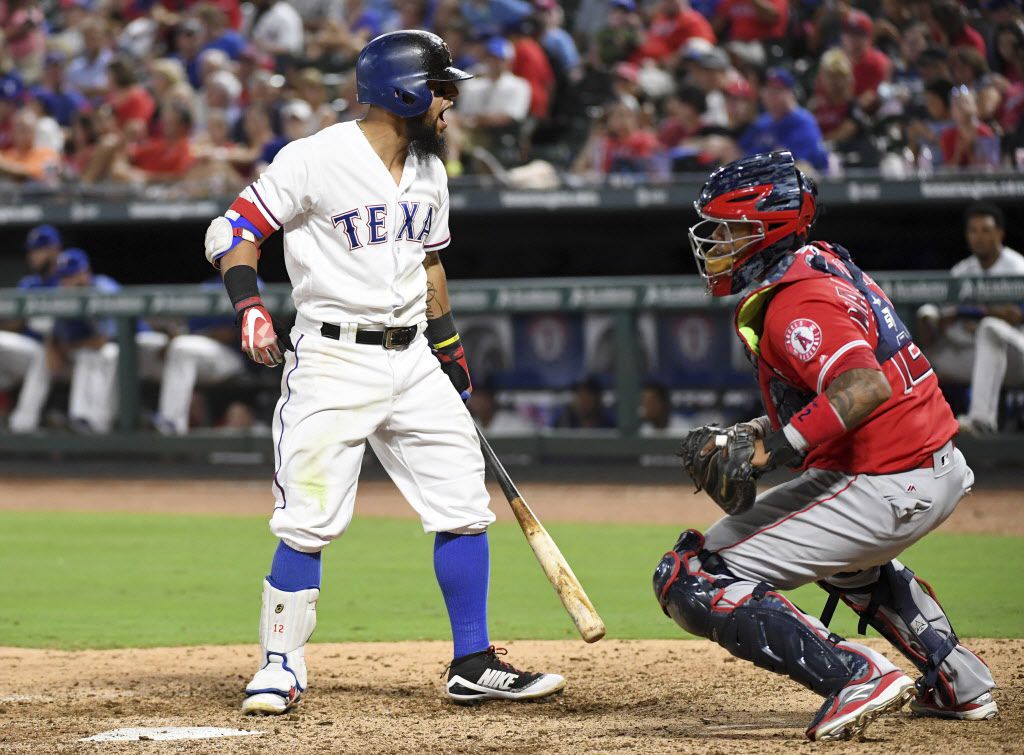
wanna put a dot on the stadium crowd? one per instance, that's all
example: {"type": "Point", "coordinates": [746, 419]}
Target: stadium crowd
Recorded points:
{"type": "Point", "coordinates": [196, 97]}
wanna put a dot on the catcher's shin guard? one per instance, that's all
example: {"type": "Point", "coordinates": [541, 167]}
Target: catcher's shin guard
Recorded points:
{"type": "Point", "coordinates": [904, 610]}
{"type": "Point", "coordinates": [752, 622]}
{"type": "Point", "coordinates": [287, 621]}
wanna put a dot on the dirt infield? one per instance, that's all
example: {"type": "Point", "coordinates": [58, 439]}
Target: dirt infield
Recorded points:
{"type": "Point", "coordinates": [623, 696]}
{"type": "Point", "coordinates": [985, 511]}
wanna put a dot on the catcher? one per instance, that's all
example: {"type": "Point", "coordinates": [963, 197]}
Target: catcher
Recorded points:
{"type": "Point", "coordinates": [853, 403]}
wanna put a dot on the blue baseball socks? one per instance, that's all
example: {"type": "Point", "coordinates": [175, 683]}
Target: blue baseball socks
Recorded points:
{"type": "Point", "coordinates": [293, 570]}
{"type": "Point", "coordinates": [462, 567]}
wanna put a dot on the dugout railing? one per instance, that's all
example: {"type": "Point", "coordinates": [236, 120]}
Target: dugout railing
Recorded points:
{"type": "Point", "coordinates": [624, 300]}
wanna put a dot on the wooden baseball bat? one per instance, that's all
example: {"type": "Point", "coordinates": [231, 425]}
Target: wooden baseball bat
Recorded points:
{"type": "Point", "coordinates": [557, 569]}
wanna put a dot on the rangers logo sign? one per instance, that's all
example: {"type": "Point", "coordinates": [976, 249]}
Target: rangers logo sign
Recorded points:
{"type": "Point", "coordinates": [803, 339]}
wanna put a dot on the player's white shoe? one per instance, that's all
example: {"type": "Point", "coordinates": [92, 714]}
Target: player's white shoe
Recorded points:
{"type": "Point", "coordinates": [274, 690]}
{"type": "Point", "coordinates": [981, 708]}
{"type": "Point", "coordinates": [847, 714]}
{"type": "Point", "coordinates": [482, 676]}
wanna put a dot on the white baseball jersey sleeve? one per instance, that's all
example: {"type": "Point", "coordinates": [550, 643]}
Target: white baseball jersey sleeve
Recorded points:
{"type": "Point", "coordinates": [354, 240]}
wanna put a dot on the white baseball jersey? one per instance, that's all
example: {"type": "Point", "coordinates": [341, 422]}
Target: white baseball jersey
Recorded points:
{"type": "Point", "coordinates": [354, 240]}
{"type": "Point", "coordinates": [1009, 262]}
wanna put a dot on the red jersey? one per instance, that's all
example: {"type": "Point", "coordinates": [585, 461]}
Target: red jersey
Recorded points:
{"type": "Point", "coordinates": [746, 26]}
{"type": "Point", "coordinates": [532, 64]}
{"type": "Point", "coordinates": [667, 34]}
{"type": "Point", "coordinates": [872, 69]}
{"type": "Point", "coordinates": [817, 326]}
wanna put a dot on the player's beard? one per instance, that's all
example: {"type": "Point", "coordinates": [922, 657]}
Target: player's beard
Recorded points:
{"type": "Point", "coordinates": [424, 140]}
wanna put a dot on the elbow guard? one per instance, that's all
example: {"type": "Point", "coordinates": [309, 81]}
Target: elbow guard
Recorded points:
{"type": "Point", "coordinates": [227, 231]}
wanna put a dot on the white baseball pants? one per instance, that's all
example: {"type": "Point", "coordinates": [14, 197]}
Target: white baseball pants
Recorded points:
{"type": "Point", "coordinates": [193, 360]}
{"type": "Point", "coordinates": [94, 384]}
{"type": "Point", "coordinates": [335, 396]}
{"type": "Point", "coordinates": [23, 360]}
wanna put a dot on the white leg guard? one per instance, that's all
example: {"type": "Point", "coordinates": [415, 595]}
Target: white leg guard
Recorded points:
{"type": "Point", "coordinates": [287, 621]}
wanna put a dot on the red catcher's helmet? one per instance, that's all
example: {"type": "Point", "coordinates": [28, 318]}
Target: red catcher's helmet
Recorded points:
{"type": "Point", "coordinates": [775, 200]}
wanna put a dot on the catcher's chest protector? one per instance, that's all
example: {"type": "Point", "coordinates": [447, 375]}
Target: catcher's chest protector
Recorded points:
{"type": "Point", "coordinates": [781, 398]}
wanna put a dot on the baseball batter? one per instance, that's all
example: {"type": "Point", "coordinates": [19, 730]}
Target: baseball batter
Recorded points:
{"type": "Point", "coordinates": [853, 403]}
{"type": "Point", "coordinates": [364, 208]}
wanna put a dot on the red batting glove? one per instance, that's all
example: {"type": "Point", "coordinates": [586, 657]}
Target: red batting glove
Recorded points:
{"type": "Point", "coordinates": [259, 341]}
{"type": "Point", "coordinates": [453, 364]}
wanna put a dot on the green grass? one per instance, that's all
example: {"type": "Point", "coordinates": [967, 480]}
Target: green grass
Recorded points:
{"type": "Point", "coordinates": [112, 580]}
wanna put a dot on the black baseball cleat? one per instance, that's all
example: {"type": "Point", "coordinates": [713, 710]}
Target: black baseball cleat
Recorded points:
{"type": "Point", "coordinates": [482, 676]}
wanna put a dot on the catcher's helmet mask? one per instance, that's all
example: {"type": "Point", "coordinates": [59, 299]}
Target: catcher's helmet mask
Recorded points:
{"type": "Point", "coordinates": [767, 193]}
{"type": "Point", "coordinates": [395, 71]}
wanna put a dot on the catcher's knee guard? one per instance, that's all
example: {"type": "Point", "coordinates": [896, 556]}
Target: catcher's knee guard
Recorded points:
{"type": "Point", "coordinates": [904, 610]}
{"type": "Point", "coordinates": [757, 624]}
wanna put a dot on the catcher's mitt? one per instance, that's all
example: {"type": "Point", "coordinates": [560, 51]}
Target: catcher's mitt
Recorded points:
{"type": "Point", "coordinates": [718, 462]}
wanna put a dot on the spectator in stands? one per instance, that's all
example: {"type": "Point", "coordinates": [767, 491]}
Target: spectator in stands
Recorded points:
{"type": "Point", "coordinates": [496, 101]}
{"type": "Point", "coordinates": [842, 122]}
{"type": "Point", "coordinates": [189, 42]}
{"type": "Point", "coordinates": [23, 350]}
{"type": "Point", "coordinates": [22, 29]}
{"type": "Point", "coordinates": [80, 148]}
{"type": "Point", "coordinates": [626, 85]}
{"type": "Point", "coordinates": [784, 124]}
{"type": "Point", "coordinates": [556, 41]}
{"type": "Point", "coordinates": [983, 344]}
{"type": "Point", "coordinates": [310, 87]}
{"type": "Point", "coordinates": [530, 62]}
{"type": "Point", "coordinates": [221, 91]}
{"type": "Point", "coordinates": [277, 28]}
{"type": "Point", "coordinates": [969, 142]}
{"type": "Point", "coordinates": [1008, 57]}
{"type": "Point", "coordinates": [60, 102]}
{"type": "Point", "coordinates": [752, 20]}
{"type": "Point", "coordinates": [951, 27]}
{"type": "Point", "coordinates": [620, 37]}
{"type": "Point", "coordinates": [618, 144]}
{"type": "Point", "coordinates": [870, 65]}
{"type": "Point", "coordinates": [684, 111]}
{"type": "Point", "coordinates": [220, 35]}
{"type": "Point", "coordinates": [672, 24]}
{"type": "Point", "coordinates": [24, 160]}
{"type": "Point", "coordinates": [710, 71]}
{"type": "Point", "coordinates": [924, 134]}
{"type": "Point", "coordinates": [657, 417]}
{"type": "Point", "coordinates": [585, 411]}
{"type": "Point", "coordinates": [493, 419]}
{"type": "Point", "coordinates": [158, 159]}
{"type": "Point", "coordinates": [133, 105]}
{"type": "Point", "coordinates": [87, 73]}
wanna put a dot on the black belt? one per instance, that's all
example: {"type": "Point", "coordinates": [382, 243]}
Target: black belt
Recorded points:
{"type": "Point", "coordinates": [389, 338]}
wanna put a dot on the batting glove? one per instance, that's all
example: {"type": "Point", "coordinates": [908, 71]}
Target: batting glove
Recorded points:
{"type": "Point", "coordinates": [453, 363]}
{"type": "Point", "coordinates": [259, 340]}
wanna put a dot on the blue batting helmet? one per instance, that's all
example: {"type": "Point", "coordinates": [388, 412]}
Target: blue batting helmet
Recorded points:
{"type": "Point", "coordinates": [394, 69]}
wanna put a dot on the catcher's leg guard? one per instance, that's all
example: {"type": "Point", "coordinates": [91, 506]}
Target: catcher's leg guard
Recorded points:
{"type": "Point", "coordinates": [904, 610]}
{"type": "Point", "coordinates": [287, 621]}
{"type": "Point", "coordinates": [755, 623]}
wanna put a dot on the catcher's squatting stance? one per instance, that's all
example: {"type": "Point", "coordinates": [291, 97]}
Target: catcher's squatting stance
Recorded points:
{"type": "Point", "coordinates": [853, 403]}
{"type": "Point", "coordinates": [364, 208]}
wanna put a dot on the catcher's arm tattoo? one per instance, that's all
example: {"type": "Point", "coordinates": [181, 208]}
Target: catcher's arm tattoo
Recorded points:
{"type": "Point", "coordinates": [856, 393]}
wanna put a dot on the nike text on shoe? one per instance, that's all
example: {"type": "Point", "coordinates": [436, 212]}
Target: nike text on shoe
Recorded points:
{"type": "Point", "coordinates": [483, 676]}
{"type": "Point", "coordinates": [274, 690]}
{"type": "Point", "coordinates": [981, 708]}
{"type": "Point", "coordinates": [847, 713]}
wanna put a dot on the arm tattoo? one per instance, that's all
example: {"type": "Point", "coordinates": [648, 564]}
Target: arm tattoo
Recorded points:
{"type": "Point", "coordinates": [857, 393]}
{"type": "Point", "coordinates": [433, 310]}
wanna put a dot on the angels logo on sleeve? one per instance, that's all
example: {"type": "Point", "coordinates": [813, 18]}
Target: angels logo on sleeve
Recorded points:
{"type": "Point", "coordinates": [803, 339]}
